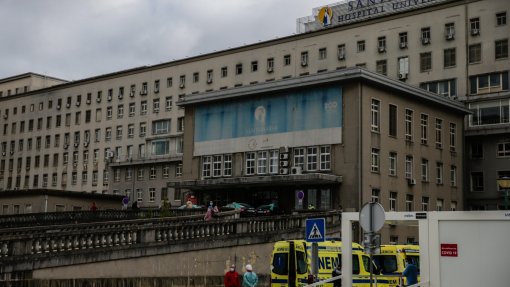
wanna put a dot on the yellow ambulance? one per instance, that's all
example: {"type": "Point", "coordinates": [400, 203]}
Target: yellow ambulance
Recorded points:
{"type": "Point", "coordinates": [289, 270]}
{"type": "Point", "coordinates": [391, 261]}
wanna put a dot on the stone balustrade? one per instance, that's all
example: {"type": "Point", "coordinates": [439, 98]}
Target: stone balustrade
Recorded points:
{"type": "Point", "coordinates": [32, 244]}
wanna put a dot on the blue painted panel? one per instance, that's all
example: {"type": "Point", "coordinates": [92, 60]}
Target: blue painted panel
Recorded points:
{"type": "Point", "coordinates": [297, 111]}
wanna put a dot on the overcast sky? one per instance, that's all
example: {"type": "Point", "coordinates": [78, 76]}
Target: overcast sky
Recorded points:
{"type": "Point", "coordinates": [78, 39]}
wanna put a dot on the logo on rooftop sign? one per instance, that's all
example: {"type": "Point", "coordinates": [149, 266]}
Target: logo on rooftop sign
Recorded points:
{"type": "Point", "coordinates": [325, 15]}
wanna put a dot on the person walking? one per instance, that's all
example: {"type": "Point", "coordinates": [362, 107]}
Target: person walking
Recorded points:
{"type": "Point", "coordinates": [411, 272]}
{"type": "Point", "coordinates": [337, 272]}
{"type": "Point", "coordinates": [250, 278]}
{"type": "Point", "coordinates": [231, 278]}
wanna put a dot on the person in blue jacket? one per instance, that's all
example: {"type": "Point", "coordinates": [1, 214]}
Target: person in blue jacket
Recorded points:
{"type": "Point", "coordinates": [411, 272]}
{"type": "Point", "coordinates": [250, 279]}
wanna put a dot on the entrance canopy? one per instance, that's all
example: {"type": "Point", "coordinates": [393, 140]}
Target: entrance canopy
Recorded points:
{"type": "Point", "coordinates": [258, 181]}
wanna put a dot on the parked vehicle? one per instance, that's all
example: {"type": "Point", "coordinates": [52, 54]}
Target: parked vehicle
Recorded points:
{"type": "Point", "coordinates": [246, 209]}
{"type": "Point", "coordinates": [268, 209]}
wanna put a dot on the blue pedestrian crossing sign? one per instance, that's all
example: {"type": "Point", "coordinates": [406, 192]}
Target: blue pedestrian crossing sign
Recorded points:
{"type": "Point", "coordinates": [315, 230]}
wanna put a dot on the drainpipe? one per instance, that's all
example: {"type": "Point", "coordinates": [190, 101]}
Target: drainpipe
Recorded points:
{"type": "Point", "coordinates": [45, 203]}
{"type": "Point", "coordinates": [360, 147]}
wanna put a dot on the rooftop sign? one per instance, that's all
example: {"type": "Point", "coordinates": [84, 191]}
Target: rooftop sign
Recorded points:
{"type": "Point", "coordinates": [358, 10]}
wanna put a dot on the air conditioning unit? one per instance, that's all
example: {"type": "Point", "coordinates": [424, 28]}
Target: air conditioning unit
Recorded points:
{"type": "Point", "coordinates": [403, 45]}
{"type": "Point", "coordinates": [411, 181]}
{"type": "Point", "coordinates": [425, 41]}
{"type": "Point", "coordinates": [109, 154]}
{"type": "Point", "coordinates": [284, 163]}
{"type": "Point", "coordinates": [88, 102]}
{"type": "Point", "coordinates": [181, 85]}
{"type": "Point", "coordinates": [3, 153]}
{"type": "Point", "coordinates": [58, 107]}
{"type": "Point", "coordinates": [156, 111]}
{"type": "Point", "coordinates": [382, 49]}
{"type": "Point", "coordinates": [86, 144]}
{"type": "Point", "coordinates": [12, 152]}
{"type": "Point", "coordinates": [284, 156]}
{"type": "Point", "coordinates": [304, 63]}
{"type": "Point", "coordinates": [75, 164]}
{"type": "Point", "coordinates": [341, 56]}
{"type": "Point", "coordinates": [284, 149]}
{"type": "Point", "coordinates": [120, 96]}
{"type": "Point", "coordinates": [209, 80]}
{"type": "Point", "coordinates": [78, 104]}
{"type": "Point", "coordinates": [76, 144]}
{"type": "Point", "coordinates": [109, 98]}
{"type": "Point", "coordinates": [68, 105]}
{"type": "Point", "coordinates": [296, 170]}
{"type": "Point", "coordinates": [450, 36]}
{"type": "Point", "coordinates": [132, 93]}
{"type": "Point", "coordinates": [284, 170]}
{"type": "Point", "coordinates": [66, 146]}
{"type": "Point", "coordinates": [98, 100]}
{"type": "Point", "coordinates": [402, 76]}
{"type": "Point", "coordinates": [143, 92]}
{"type": "Point", "coordinates": [85, 166]}
{"type": "Point", "coordinates": [475, 32]}
{"type": "Point", "coordinates": [269, 69]}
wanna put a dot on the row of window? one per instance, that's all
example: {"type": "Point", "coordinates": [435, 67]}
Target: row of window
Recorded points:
{"type": "Point", "coordinates": [375, 164]}
{"type": "Point", "coordinates": [410, 202]}
{"type": "Point", "coordinates": [477, 180]}
{"type": "Point", "coordinates": [8, 92]}
{"type": "Point", "coordinates": [264, 162]}
{"type": "Point", "coordinates": [502, 150]}
{"type": "Point", "coordinates": [141, 171]}
{"type": "Point", "coordinates": [409, 125]}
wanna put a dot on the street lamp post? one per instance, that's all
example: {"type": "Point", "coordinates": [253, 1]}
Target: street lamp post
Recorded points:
{"type": "Point", "coordinates": [504, 184]}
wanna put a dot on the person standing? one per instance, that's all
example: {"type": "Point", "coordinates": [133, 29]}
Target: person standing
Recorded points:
{"type": "Point", "coordinates": [208, 214]}
{"type": "Point", "coordinates": [231, 278]}
{"type": "Point", "coordinates": [337, 272]}
{"type": "Point", "coordinates": [250, 278]}
{"type": "Point", "coordinates": [411, 272]}
{"type": "Point", "coordinates": [93, 207]}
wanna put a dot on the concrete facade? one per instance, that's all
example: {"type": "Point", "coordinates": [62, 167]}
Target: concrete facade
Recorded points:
{"type": "Point", "coordinates": [118, 141]}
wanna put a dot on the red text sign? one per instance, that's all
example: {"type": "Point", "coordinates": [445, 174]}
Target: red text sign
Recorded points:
{"type": "Point", "coordinates": [449, 250]}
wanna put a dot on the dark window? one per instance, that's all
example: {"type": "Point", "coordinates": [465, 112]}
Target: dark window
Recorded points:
{"type": "Point", "coordinates": [393, 121]}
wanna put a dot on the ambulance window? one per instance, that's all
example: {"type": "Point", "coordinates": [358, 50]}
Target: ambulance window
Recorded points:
{"type": "Point", "coordinates": [366, 265]}
{"type": "Point", "coordinates": [302, 267]}
{"type": "Point", "coordinates": [355, 263]}
{"type": "Point", "coordinates": [416, 260]}
{"type": "Point", "coordinates": [280, 264]}
{"type": "Point", "coordinates": [386, 263]}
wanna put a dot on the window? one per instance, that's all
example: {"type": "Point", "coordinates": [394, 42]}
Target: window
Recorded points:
{"type": "Point", "coordinates": [453, 133]}
{"type": "Point", "coordinates": [488, 83]}
{"type": "Point", "coordinates": [182, 81]}
{"type": "Point", "coordinates": [227, 165]}
{"type": "Point", "coordinates": [254, 66]}
{"type": "Point", "coordinates": [501, 49]}
{"type": "Point", "coordinates": [152, 194]}
{"type": "Point", "coordinates": [475, 53]}
{"type": "Point", "coordinates": [424, 170]}
{"type": "Point", "coordinates": [439, 133]}
{"type": "Point", "coordinates": [474, 24]}
{"type": "Point", "coordinates": [250, 163]}
{"type": "Point", "coordinates": [273, 161]}
{"type": "Point", "coordinates": [286, 60]}
{"type": "Point", "coordinates": [169, 82]}
{"type": "Point", "coordinates": [361, 46]}
{"type": "Point", "coordinates": [375, 108]}
{"type": "Point", "coordinates": [501, 18]}
{"type": "Point", "coordinates": [140, 174]}
{"type": "Point", "coordinates": [424, 203]}
{"type": "Point", "coordinates": [239, 69]}
{"type": "Point", "coordinates": [375, 160]}
{"type": "Point", "coordinates": [409, 202]}
{"type": "Point", "coordinates": [224, 72]}
{"type": "Point", "coordinates": [152, 173]}
{"type": "Point", "coordinates": [402, 37]}
{"type": "Point", "coordinates": [323, 54]}
{"type": "Point", "coordinates": [168, 104]}
{"type": "Point", "coordinates": [109, 113]}
{"type": "Point", "coordinates": [304, 59]}
{"type": "Point", "coordinates": [299, 157]}
{"type": "Point", "coordinates": [503, 149]}
{"type": "Point", "coordinates": [425, 61]}
{"type": "Point", "coordinates": [477, 150]}
{"type": "Point", "coordinates": [270, 65]}
{"type": "Point", "coordinates": [409, 125]}
{"type": "Point", "coordinates": [139, 194]}
{"type": "Point", "coordinates": [341, 52]}
{"type": "Point", "coordinates": [449, 58]}
{"type": "Point", "coordinates": [160, 127]}
{"type": "Point", "coordinates": [446, 88]}
{"type": "Point", "coordinates": [120, 111]}
{"type": "Point", "coordinates": [196, 77]}
{"type": "Point", "coordinates": [325, 157]}
{"type": "Point", "coordinates": [393, 201]}
{"type": "Point", "coordinates": [180, 124]}
{"type": "Point", "coordinates": [118, 132]}
{"type": "Point", "coordinates": [403, 67]}
{"type": "Point", "coordinates": [311, 159]}
{"type": "Point", "coordinates": [424, 128]}
{"type": "Point", "coordinates": [155, 106]}
{"type": "Point", "coordinates": [160, 147]}
{"type": "Point", "coordinates": [262, 162]}
{"type": "Point", "coordinates": [216, 165]}
{"type": "Point", "coordinates": [409, 167]}
{"type": "Point", "coordinates": [393, 164]}
{"type": "Point", "coordinates": [425, 36]}
{"type": "Point", "coordinates": [439, 173]}
{"type": "Point", "coordinates": [449, 29]}
{"type": "Point", "coordinates": [375, 194]}
{"type": "Point", "coordinates": [143, 129]}
{"type": "Point", "coordinates": [143, 108]}
{"type": "Point", "coordinates": [381, 44]}
{"type": "Point", "coordinates": [453, 206]}
{"type": "Point", "coordinates": [381, 67]}
{"type": "Point", "coordinates": [477, 181]}
{"type": "Point", "coordinates": [453, 176]}
{"type": "Point", "coordinates": [209, 76]}
{"type": "Point", "coordinates": [393, 120]}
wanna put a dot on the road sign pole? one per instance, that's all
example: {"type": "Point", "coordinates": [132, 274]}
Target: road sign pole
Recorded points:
{"type": "Point", "coordinates": [315, 260]}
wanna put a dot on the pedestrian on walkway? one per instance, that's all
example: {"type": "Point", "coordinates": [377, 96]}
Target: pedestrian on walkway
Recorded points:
{"type": "Point", "coordinates": [250, 278]}
{"type": "Point", "coordinates": [208, 214]}
{"type": "Point", "coordinates": [231, 278]}
{"type": "Point", "coordinates": [337, 272]}
{"type": "Point", "coordinates": [411, 272]}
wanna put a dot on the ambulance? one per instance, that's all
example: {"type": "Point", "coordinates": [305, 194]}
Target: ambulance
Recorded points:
{"type": "Point", "coordinates": [391, 261]}
{"type": "Point", "coordinates": [290, 265]}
